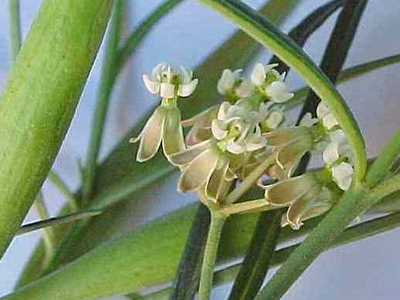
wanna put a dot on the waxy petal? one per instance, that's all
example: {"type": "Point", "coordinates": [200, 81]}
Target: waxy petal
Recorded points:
{"type": "Point", "coordinates": [152, 86]}
{"type": "Point", "coordinates": [198, 171]}
{"type": "Point", "coordinates": [173, 140]}
{"type": "Point", "coordinates": [167, 90]}
{"type": "Point", "coordinates": [343, 174]}
{"type": "Point", "coordinates": [258, 75]}
{"type": "Point", "coordinates": [188, 155]}
{"type": "Point", "coordinates": [186, 90]}
{"type": "Point", "coordinates": [150, 137]}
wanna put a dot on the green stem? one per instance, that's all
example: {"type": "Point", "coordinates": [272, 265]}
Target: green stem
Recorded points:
{"type": "Point", "coordinates": [210, 255]}
{"type": "Point", "coordinates": [381, 165]}
{"type": "Point", "coordinates": [62, 187]}
{"type": "Point", "coordinates": [249, 181]}
{"type": "Point", "coordinates": [264, 32]}
{"type": "Point", "coordinates": [15, 28]}
{"type": "Point", "coordinates": [387, 187]}
{"type": "Point", "coordinates": [48, 234]}
{"type": "Point", "coordinates": [103, 98]}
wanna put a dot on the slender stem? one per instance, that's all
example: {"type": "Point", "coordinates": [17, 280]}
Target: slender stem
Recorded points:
{"type": "Point", "coordinates": [103, 95]}
{"type": "Point", "coordinates": [210, 255]}
{"type": "Point", "coordinates": [387, 187]}
{"type": "Point", "coordinates": [384, 161]}
{"type": "Point", "coordinates": [63, 188]}
{"type": "Point", "coordinates": [15, 28]}
{"type": "Point", "coordinates": [249, 181]}
{"type": "Point", "coordinates": [48, 234]}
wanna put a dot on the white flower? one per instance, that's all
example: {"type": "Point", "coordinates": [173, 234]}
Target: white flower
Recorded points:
{"type": "Point", "coordinates": [325, 115]}
{"type": "Point", "coordinates": [342, 174]}
{"type": "Point", "coordinates": [270, 82]}
{"type": "Point", "coordinates": [233, 86]}
{"type": "Point", "coordinates": [275, 118]}
{"type": "Point", "coordinates": [260, 72]}
{"type": "Point", "coordinates": [169, 82]}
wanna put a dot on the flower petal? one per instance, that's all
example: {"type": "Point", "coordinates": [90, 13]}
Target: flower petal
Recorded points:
{"type": "Point", "coordinates": [203, 119]}
{"type": "Point", "coordinates": [277, 92]}
{"type": "Point", "coordinates": [150, 138]}
{"type": "Point", "coordinates": [198, 171]}
{"type": "Point", "coordinates": [331, 153]}
{"type": "Point", "coordinates": [275, 119]}
{"type": "Point", "coordinates": [287, 191]}
{"type": "Point", "coordinates": [343, 175]}
{"type": "Point", "coordinates": [185, 90]}
{"type": "Point", "coordinates": [217, 185]}
{"type": "Point", "coordinates": [226, 82]}
{"type": "Point", "coordinates": [173, 140]}
{"type": "Point", "coordinates": [186, 156]}
{"type": "Point", "coordinates": [152, 86]}
{"type": "Point", "coordinates": [258, 75]}
{"type": "Point", "coordinates": [234, 147]}
{"type": "Point", "coordinates": [245, 89]}
{"type": "Point", "coordinates": [218, 129]}
{"type": "Point", "coordinates": [167, 90]}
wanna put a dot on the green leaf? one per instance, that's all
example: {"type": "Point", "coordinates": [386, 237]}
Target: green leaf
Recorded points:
{"type": "Point", "coordinates": [258, 257]}
{"type": "Point", "coordinates": [43, 90]}
{"type": "Point", "coordinates": [268, 35]}
{"type": "Point", "coordinates": [57, 221]}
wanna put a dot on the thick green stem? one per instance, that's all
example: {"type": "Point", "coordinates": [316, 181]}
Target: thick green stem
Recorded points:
{"type": "Point", "coordinates": [15, 28]}
{"type": "Point", "coordinates": [107, 79]}
{"type": "Point", "coordinates": [210, 255]}
{"type": "Point", "coordinates": [40, 98]}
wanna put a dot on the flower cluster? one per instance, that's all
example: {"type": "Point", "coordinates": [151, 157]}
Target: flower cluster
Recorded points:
{"type": "Point", "coordinates": [245, 139]}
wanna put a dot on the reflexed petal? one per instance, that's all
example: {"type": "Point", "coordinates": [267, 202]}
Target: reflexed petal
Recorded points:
{"type": "Point", "coordinates": [173, 140]}
{"type": "Point", "coordinates": [152, 86]}
{"type": "Point", "coordinates": [275, 119]}
{"type": "Point", "coordinates": [203, 119]}
{"type": "Point", "coordinates": [297, 210]}
{"type": "Point", "coordinates": [186, 75]}
{"type": "Point", "coordinates": [331, 153]}
{"type": "Point", "coordinates": [218, 129]}
{"type": "Point", "coordinates": [234, 147]}
{"type": "Point", "coordinates": [198, 171]}
{"type": "Point", "coordinates": [150, 138]}
{"type": "Point", "coordinates": [287, 191]}
{"type": "Point", "coordinates": [284, 136]}
{"type": "Point", "coordinates": [255, 142]}
{"type": "Point", "coordinates": [197, 135]}
{"type": "Point", "coordinates": [288, 158]}
{"type": "Point", "coordinates": [156, 73]}
{"type": "Point", "coordinates": [167, 90]}
{"type": "Point", "coordinates": [217, 185]}
{"type": "Point", "coordinates": [343, 174]}
{"type": "Point", "coordinates": [338, 136]}
{"type": "Point", "coordinates": [258, 75]}
{"type": "Point", "coordinates": [186, 90]}
{"type": "Point", "coordinates": [186, 156]}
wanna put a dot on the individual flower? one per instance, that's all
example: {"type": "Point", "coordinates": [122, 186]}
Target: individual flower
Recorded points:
{"type": "Point", "coordinates": [290, 144]}
{"type": "Point", "coordinates": [169, 82]}
{"type": "Point", "coordinates": [338, 157]}
{"type": "Point", "coordinates": [325, 115]}
{"type": "Point", "coordinates": [270, 83]}
{"type": "Point", "coordinates": [305, 196]}
{"type": "Point", "coordinates": [233, 86]}
{"type": "Point", "coordinates": [164, 126]}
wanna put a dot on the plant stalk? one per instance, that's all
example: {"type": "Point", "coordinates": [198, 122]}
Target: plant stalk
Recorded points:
{"type": "Point", "coordinates": [15, 28]}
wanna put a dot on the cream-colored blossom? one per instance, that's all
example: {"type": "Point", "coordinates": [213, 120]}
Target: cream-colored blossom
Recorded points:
{"type": "Point", "coordinates": [169, 82]}
{"type": "Point", "coordinates": [270, 83]}
{"type": "Point", "coordinates": [342, 174]}
{"type": "Point", "coordinates": [325, 115]}
{"type": "Point", "coordinates": [233, 86]}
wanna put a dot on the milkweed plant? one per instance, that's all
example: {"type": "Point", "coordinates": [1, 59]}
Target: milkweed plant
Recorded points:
{"type": "Point", "coordinates": [223, 126]}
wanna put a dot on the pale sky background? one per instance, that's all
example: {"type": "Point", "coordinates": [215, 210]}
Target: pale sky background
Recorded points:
{"type": "Point", "coordinates": [365, 270]}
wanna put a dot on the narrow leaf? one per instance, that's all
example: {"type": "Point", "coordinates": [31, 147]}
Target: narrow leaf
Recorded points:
{"type": "Point", "coordinates": [56, 221]}
{"type": "Point", "coordinates": [258, 257]}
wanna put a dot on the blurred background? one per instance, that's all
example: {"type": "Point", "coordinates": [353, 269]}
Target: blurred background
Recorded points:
{"type": "Point", "coordinates": [364, 270]}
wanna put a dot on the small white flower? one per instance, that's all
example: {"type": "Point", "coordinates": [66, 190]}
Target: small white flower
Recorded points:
{"type": "Point", "coordinates": [169, 82]}
{"type": "Point", "coordinates": [325, 115]}
{"type": "Point", "coordinates": [342, 174]}
{"type": "Point", "coordinates": [275, 119]}
{"type": "Point", "coordinates": [308, 121]}
{"type": "Point", "coordinates": [234, 86]}
{"type": "Point", "coordinates": [260, 72]}
{"type": "Point", "coordinates": [277, 92]}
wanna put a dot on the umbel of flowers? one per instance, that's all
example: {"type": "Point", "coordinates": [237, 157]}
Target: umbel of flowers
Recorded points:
{"type": "Point", "coordinates": [244, 141]}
